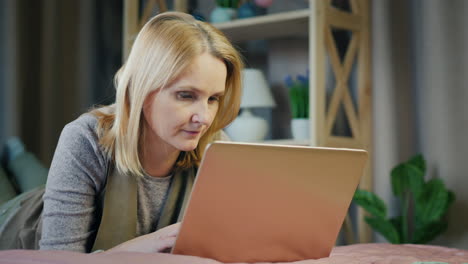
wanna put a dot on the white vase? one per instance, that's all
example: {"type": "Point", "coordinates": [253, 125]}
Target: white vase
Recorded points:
{"type": "Point", "coordinates": [247, 127]}
{"type": "Point", "coordinates": [300, 128]}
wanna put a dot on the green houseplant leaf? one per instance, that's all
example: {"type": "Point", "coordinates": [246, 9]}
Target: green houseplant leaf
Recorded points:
{"type": "Point", "coordinates": [371, 203]}
{"type": "Point", "coordinates": [397, 223]}
{"type": "Point", "coordinates": [299, 100]}
{"type": "Point", "coordinates": [298, 95]}
{"type": "Point", "coordinates": [423, 207]}
{"type": "Point", "coordinates": [407, 177]}
{"type": "Point", "coordinates": [426, 233]}
{"type": "Point", "coordinates": [418, 161]}
{"type": "Point", "coordinates": [432, 203]}
{"type": "Point", "coordinates": [451, 199]}
{"type": "Point", "coordinates": [228, 3]}
{"type": "Point", "coordinates": [385, 228]}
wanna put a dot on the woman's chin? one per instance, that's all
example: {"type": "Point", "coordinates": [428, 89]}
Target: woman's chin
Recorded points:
{"type": "Point", "coordinates": [188, 146]}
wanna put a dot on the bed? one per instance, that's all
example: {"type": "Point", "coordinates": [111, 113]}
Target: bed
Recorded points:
{"type": "Point", "coordinates": [353, 254]}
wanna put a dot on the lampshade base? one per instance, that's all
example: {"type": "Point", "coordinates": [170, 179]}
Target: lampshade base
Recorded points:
{"type": "Point", "coordinates": [247, 127]}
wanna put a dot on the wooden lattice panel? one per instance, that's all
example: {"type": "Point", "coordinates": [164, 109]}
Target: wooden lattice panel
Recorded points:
{"type": "Point", "coordinates": [340, 103]}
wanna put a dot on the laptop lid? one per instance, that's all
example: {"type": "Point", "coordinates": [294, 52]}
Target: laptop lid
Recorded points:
{"type": "Point", "coordinates": [268, 203]}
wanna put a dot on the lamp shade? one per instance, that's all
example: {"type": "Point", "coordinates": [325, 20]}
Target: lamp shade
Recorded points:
{"type": "Point", "coordinates": [256, 92]}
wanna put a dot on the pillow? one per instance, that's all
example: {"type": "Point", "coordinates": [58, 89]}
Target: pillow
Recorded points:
{"type": "Point", "coordinates": [7, 191]}
{"type": "Point", "coordinates": [27, 171]}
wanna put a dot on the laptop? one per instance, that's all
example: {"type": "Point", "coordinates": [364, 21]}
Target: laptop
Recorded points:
{"type": "Point", "coordinates": [268, 203]}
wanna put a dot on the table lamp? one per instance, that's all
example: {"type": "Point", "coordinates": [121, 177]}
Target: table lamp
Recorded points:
{"type": "Point", "coordinates": [255, 94]}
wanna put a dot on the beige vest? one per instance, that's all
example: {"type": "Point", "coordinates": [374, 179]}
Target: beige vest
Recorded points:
{"type": "Point", "coordinates": [119, 215]}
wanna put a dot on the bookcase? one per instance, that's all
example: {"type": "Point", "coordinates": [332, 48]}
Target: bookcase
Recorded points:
{"type": "Point", "coordinates": [338, 56]}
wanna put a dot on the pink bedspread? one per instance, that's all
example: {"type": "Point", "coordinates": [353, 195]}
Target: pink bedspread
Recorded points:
{"type": "Point", "coordinates": [354, 254]}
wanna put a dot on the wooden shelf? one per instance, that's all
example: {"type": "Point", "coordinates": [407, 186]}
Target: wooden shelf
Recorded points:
{"type": "Point", "coordinates": [291, 142]}
{"type": "Point", "coordinates": [288, 142]}
{"type": "Point", "coordinates": [285, 24]}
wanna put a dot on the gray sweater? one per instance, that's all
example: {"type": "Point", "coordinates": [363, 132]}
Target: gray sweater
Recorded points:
{"type": "Point", "coordinates": [76, 178]}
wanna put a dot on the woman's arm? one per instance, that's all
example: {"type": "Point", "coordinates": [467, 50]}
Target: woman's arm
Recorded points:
{"type": "Point", "coordinates": [158, 241]}
{"type": "Point", "coordinates": [76, 177]}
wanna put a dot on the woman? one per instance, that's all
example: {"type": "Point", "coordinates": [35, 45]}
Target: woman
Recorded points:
{"type": "Point", "coordinates": [179, 87]}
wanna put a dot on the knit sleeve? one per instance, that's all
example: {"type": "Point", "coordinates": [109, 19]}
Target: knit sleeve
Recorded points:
{"type": "Point", "coordinates": [77, 175]}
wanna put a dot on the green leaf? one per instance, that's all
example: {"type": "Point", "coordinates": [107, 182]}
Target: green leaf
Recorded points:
{"type": "Point", "coordinates": [397, 223]}
{"type": "Point", "coordinates": [419, 162]}
{"type": "Point", "coordinates": [415, 179]}
{"type": "Point", "coordinates": [399, 180]}
{"type": "Point", "coordinates": [294, 102]}
{"type": "Point", "coordinates": [431, 205]}
{"type": "Point", "coordinates": [228, 3]}
{"type": "Point", "coordinates": [306, 103]}
{"type": "Point", "coordinates": [451, 200]}
{"type": "Point", "coordinates": [385, 228]}
{"type": "Point", "coordinates": [371, 203]}
{"type": "Point", "coordinates": [406, 177]}
{"type": "Point", "coordinates": [431, 202]}
{"type": "Point", "coordinates": [426, 233]}
{"type": "Point", "coordinates": [299, 99]}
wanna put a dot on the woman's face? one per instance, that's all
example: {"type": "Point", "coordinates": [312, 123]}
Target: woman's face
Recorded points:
{"type": "Point", "coordinates": [179, 114]}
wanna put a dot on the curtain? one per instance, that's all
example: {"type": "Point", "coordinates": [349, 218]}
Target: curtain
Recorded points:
{"type": "Point", "coordinates": [64, 55]}
{"type": "Point", "coordinates": [420, 74]}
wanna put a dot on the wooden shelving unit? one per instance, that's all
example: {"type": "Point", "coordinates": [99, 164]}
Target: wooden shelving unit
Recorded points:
{"type": "Point", "coordinates": [285, 24]}
{"type": "Point", "coordinates": [290, 142]}
{"type": "Point", "coordinates": [319, 24]}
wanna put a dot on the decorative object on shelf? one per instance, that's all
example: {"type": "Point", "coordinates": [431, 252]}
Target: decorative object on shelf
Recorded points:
{"type": "Point", "coordinates": [224, 11]}
{"type": "Point", "coordinates": [256, 94]}
{"type": "Point", "coordinates": [264, 3]}
{"type": "Point", "coordinates": [423, 205]}
{"type": "Point", "coordinates": [299, 102]}
{"type": "Point", "coordinates": [246, 10]}
{"type": "Point", "coordinates": [262, 6]}
{"type": "Point", "coordinates": [300, 128]}
{"type": "Point", "coordinates": [250, 8]}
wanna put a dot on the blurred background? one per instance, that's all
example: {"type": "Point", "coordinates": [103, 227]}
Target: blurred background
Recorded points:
{"type": "Point", "coordinates": [58, 58]}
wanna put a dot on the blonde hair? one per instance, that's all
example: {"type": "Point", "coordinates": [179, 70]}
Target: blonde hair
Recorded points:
{"type": "Point", "coordinates": [163, 49]}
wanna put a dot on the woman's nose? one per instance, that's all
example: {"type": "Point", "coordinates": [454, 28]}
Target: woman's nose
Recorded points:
{"type": "Point", "coordinates": [202, 115]}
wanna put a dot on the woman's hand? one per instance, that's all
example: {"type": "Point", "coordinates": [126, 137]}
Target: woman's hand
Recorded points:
{"type": "Point", "coordinates": [158, 241]}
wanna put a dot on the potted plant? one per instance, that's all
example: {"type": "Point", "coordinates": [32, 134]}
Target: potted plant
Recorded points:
{"type": "Point", "coordinates": [224, 11]}
{"type": "Point", "coordinates": [423, 205]}
{"type": "Point", "coordinates": [299, 102]}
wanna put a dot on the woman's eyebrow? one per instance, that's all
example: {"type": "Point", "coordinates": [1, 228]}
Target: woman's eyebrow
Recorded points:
{"type": "Point", "coordinates": [219, 93]}
{"type": "Point", "coordinates": [195, 89]}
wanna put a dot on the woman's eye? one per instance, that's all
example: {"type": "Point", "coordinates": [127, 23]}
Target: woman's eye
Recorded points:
{"type": "Point", "coordinates": [214, 99]}
{"type": "Point", "coordinates": [185, 95]}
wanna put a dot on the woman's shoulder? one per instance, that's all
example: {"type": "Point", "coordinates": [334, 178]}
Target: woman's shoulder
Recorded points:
{"type": "Point", "coordinates": [78, 150]}
{"type": "Point", "coordinates": [87, 122]}
{"type": "Point", "coordinates": [82, 135]}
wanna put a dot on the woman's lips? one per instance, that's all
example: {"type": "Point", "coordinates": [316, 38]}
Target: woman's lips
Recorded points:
{"type": "Point", "coordinates": [192, 133]}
